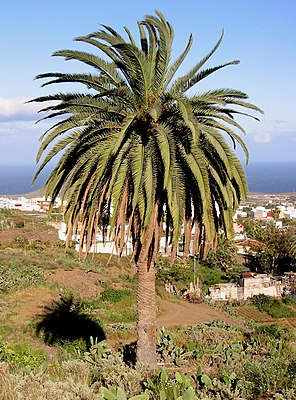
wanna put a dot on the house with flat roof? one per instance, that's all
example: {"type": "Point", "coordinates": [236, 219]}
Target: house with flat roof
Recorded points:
{"type": "Point", "coordinates": [251, 284]}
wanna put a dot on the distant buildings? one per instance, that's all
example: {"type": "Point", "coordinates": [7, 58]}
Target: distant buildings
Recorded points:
{"type": "Point", "coordinates": [39, 204]}
{"type": "Point", "coordinates": [288, 212]}
{"type": "Point", "coordinates": [263, 213]}
{"type": "Point", "coordinates": [251, 284]}
{"type": "Point", "coordinates": [260, 213]}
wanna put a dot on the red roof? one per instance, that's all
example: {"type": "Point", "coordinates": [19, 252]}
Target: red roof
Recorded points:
{"type": "Point", "coordinates": [248, 275]}
{"type": "Point", "coordinates": [251, 243]}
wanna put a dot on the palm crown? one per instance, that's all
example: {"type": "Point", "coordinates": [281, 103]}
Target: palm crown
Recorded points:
{"type": "Point", "coordinates": [137, 148]}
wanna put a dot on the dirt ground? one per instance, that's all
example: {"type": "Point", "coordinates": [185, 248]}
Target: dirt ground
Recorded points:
{"type": "Point", "coordinates": [31, 302]}
{"type": "Point", "coordinates": [181, 313]}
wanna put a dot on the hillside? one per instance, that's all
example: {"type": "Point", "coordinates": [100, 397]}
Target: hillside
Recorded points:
{"type": "Point", "coordinates": [52, 302]}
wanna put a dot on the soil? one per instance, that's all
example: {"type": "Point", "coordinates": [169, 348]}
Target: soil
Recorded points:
{"type": "Point", "coordinates": [84, 283]}
{"type": "Point", "coordinates": [30, 232]}
{"type": "Point", "coordinates": [31, 302]}
{"type": "Point", "coordinates": [180, 313]}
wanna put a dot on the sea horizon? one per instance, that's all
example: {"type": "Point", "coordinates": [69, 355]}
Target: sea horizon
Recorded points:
{"type": "Point", "coordinates": [262, 177]}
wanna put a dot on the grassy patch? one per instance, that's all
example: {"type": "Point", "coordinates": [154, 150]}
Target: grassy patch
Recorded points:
{"type": "Point", "coordinates": [113, 306]}
{"type": "Point", "coordinates": [112, 295]}
{"type": "Point", "coordinates": [14, 277]}
{"type": "Point", "coordinates": [21, 355]}
{"type": "Point", "coordinates": [272, 306]}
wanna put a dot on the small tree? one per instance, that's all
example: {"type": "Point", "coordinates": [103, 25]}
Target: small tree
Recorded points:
{"type": "Point", "coordinates": [275, 256]}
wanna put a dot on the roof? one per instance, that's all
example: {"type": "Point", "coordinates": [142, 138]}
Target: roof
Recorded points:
{"type": "Point", "coordinates": [251, 243]}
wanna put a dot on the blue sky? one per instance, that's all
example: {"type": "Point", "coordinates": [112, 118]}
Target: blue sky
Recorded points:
{"type": "Point", "coordinates": [261, 34]}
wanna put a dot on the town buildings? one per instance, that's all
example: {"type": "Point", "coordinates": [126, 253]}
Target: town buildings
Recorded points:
{"type": "Point", "coordinates": [251, 284]}
{"type": "Point", "coordinates": [38, 204]}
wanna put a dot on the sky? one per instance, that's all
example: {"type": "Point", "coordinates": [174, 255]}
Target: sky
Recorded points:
{"type": "Point", "coordinates": [259, 33]}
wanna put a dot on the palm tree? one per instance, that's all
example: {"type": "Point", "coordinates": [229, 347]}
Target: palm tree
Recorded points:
{"type": "Point", "coordinates": [293, 247]}
{"type": "Point", "coordinates": [141, 155]}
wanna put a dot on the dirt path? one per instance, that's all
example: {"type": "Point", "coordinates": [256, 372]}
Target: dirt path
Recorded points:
{"type": "Point", "coordinates": [185, 313]}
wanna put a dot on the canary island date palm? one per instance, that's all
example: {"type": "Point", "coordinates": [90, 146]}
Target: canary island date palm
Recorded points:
{"type": "Point", "coordinates": [140, 154]}
{"type": "Point", "coordinates": [293, 247]}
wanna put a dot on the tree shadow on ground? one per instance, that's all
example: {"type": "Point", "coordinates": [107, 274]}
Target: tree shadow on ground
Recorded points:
{"type": "Point", "coordinates": [65, 321]}
{"type": "Point", "coordinates": [129, 354]}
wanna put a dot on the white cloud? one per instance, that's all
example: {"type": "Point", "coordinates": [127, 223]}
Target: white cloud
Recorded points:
{"type": "Point", "coordinates": [262, 138]}
{"type": "Point", "coordinates": [19, 141]}
{"type": "Point", "coordinates": [21, 130]}
{"type": "Point", "coordinates": [18, 110]}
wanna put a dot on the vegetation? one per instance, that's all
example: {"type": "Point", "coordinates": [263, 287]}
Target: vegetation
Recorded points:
{"type": "Point", "coordinates": [137, 152]}
{"type": "Point", "coordinates": [275, 255]}
{"type": "Point", "coordinates": [224, 257]}
{"type": "Point", "coordinates": [213, 361]}
{"type": "Point", "coordinates": [251, 360]}
{"type": "Point", "coordinates": [273, 306]}
{"type": "Point", "coordinates": [218, 267]}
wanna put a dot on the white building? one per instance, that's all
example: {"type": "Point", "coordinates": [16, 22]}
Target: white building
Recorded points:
{"type": "Point", "coordinates": [250, 284]}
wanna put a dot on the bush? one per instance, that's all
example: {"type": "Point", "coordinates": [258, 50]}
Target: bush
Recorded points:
{"type": "Point", "coordinates": [112, 295]}
{"type": "Point", "coordinates": [274, 330]}
{"type": "Point", "coordinates": [210, 276]}
{"type": "Point", "coordinates": [21, 355]}
{"type": "Point", "coordinates": [261, 300]}
{"type": "Point", "coordinates": [289, 301]}
{"type": "Point", "coordinates": [163, 386]}
{"type": "Point", "coordinates": [274, 307]}
{"type": "Point", "coordinates": [180, 272]}
{"type": "Point", "coordinates": [269, 376]}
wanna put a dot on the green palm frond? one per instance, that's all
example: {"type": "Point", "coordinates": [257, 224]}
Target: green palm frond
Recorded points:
{"type": "Point", "coordinates": [135, 148]}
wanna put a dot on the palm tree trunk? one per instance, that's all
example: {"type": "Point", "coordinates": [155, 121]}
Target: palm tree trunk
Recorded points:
{"type": "Point", "coordinates": [146, 297]}
{"type": "Point", "coordinates": [146, 308]}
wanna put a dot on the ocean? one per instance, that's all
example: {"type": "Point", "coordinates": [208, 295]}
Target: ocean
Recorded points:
{"type": "Point", "coordinates": [17, 179]}
{"type": "Point", "coordinates": [271, 177]}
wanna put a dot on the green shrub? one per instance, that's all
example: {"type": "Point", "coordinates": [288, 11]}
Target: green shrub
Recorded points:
{"type": "Point", "coordinates": [289, 301]}
{"type": "Point", "coordinates": [261, 300]}
{"type": "Point", "coordinates": [269, 376]}
{"type": "Point", "coordinates": [168, 350]}
{"type": "Point", "coordinates": [20, 224]}
{"type": "Point", "coordinates": [119, 394]}
{"type": "Point", "coordinates": [112, 295]}
{"type": "Point", "coordinates": [180, 272]}
{"type": "Point", "coordinates": [210, 276]}
{"type": "Point", "coordinates": [280, 310]}
{"type": "Point", "coordinates": [109, 370]}
{"type": "Point", "coordinates": [21, 355]}
{"type": "Point", "coordinates": [273, 306]}
{"type": "Point", "coordinates": [274, 330]}
{"type": "Point", "coordinates": [21, 241]}
{"type": "Point", "coordinates": [164, 387]}
{"type": "Point", "coordinates": [113, 306]}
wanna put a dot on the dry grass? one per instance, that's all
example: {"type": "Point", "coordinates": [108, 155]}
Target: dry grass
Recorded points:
{"type": "Point", "coordinates": [6, 387]}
